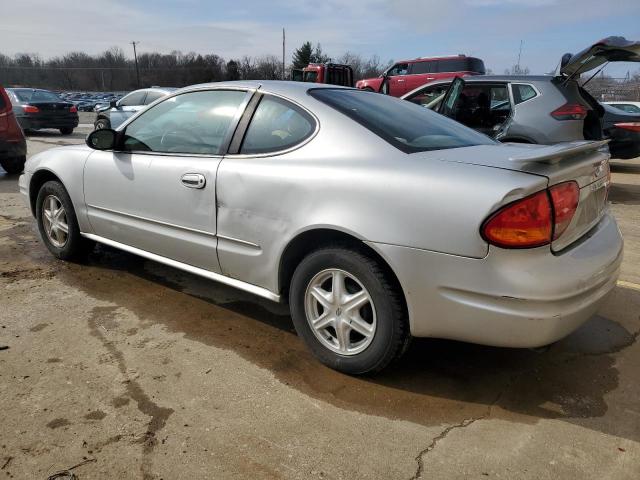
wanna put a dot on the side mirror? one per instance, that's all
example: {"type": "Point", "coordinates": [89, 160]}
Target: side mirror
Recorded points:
{"type": "Point", "coordinates": [113, 103]}
{"type": "Point", "coordinates": [104, 139]}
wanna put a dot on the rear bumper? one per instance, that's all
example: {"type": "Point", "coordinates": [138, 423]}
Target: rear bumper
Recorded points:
{"type": "Point", "coordinates": [35, 122]}
{"type": "Point", "coordinates": [625, 145]}
{"type": "Point", "coordinates": [510, 298]}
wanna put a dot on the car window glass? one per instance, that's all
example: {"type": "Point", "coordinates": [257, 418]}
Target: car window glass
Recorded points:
{"type": "Point", "coordinates": [195, 122]}
{"type": "Point", "coordinates": [276, 125]}
{"type": "Point", "coordinates": [28, 95]}
{"type": "Point", "coordinates": [627, 107]}
{"type": "Point", "coordinates": [422, 67]}
{"type": "Point", "coordinates": [428, 95]}
{"type": "Point", "coordinates": [152, 97]}
{"type": "Point", "coordinates": [522, 93]}
{"type": "Point", "coordinates": [399, 69]}
{"type": "Point", "coordinates": [406, 126]}
{"type": "Point", "coordinates": [133, 99]}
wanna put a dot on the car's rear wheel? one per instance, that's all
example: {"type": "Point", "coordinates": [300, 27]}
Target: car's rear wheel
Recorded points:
{"type": "Point", "coordinates": [347, 310]}
{"type": "Point", "coordinates": [13, 165]}
{"type": "Point", "coordinates": [58, 224]}
{"type": "Point", "coordinates": [66, 131]}
{"type": "Point", "coordinates": [102, 123]}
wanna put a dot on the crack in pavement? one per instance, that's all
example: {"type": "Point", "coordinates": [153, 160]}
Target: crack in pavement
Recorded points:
{"type": "Point", "coordinates": [159, 415]}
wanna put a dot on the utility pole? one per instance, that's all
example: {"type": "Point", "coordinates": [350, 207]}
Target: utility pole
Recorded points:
{"type": "Point", "coordinates": [519, 56]}
{"type": "Point", "coordinates": [283, 54]}
{"type": "Point", "coordinates": [135, 56]}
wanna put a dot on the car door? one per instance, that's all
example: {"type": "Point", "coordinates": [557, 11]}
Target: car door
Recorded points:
{"type": "Point", "coordinates": [420, 72]}
{"type": "Point", "coordinates": [393, 83]}
{"type": "Point", "coordinates": [157, 192]}
{"type": "Point", "coordinates": [126, 107]}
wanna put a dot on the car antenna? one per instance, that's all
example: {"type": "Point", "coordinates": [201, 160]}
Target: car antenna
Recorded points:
{"type": "Point", "coordinates": [592, 76]}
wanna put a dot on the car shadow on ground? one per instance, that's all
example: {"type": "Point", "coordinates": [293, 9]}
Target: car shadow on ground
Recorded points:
{"type": "Point", "coordinates": [436, 382]}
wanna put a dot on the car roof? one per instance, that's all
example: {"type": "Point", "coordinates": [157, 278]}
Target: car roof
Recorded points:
{"type": "Point", "coordinates": [290, 89]}
{"type": "Point", "coordinates": [436, 58]}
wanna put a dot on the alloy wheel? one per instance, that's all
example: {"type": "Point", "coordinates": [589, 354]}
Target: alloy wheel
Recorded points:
{"type": "Point", "coordinates": [340, 312]}
{"type": "Point", "coordinates": [54, 220]}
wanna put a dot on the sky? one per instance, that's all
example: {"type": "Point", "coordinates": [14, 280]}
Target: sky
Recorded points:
{"type": "Point", "coordinates": [391, 29]}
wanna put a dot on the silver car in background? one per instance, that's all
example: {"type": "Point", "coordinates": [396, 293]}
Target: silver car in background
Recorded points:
{"type": "Point", "coordinates": [530, 109]}
{"type": "Point", "coordinates": [374, 218]}
{"type": "Point", "coordinates": [119, 111]}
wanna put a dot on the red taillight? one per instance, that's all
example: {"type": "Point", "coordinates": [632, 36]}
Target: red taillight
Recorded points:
{"type": "Point", "coordinates": [535, 220]}
{"type": "Point", "coordinates": [570, 111]}
{"type": "Point", "coordinates": [73, 109]}
{"type": "Point", "coordinates": [523, 224]}
{"type": "Point", "coordinates": [30, 109]}
{"type": "Point", "coordinates": [564, 198]}
{"type": "Point", "coordinates": [633, 126]}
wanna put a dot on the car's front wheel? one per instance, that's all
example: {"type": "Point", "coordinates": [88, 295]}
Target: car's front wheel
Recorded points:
{"type": "Point", "coordinates": [102, 123]}
{"type": "Point", "coordinates": [348, 311]}
{"type": "Point", "coordinates": [66, 131]}
{"type": "Point", "coordinates": [58, 224]}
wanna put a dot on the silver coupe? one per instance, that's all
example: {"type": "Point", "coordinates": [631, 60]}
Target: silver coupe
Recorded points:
{"type": "Point", "coordinates": [374, 218]}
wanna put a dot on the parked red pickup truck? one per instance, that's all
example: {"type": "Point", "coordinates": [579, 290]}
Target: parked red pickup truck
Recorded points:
{"type": "Point", "coordinates": [406, 75]}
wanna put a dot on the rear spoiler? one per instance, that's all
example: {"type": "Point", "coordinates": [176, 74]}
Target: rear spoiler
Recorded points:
{"type": "Point", "coordinates": [560, 151]}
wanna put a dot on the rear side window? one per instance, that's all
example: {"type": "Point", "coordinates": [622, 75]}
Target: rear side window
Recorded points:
{"type": "Point", "coordinates": [522, 92]}
{"type": "Point", "coordinates": [464, 64]}
{"type": "Point", "coordinates": [405, 125]}
{"type": "Point", "coordinates": [422, 67]}
{"type": "Point", "coordinates": [133, 99]}
{"type": "Point", "coordinates": [276, 125]}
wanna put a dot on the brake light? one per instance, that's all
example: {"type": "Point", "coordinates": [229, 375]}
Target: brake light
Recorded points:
{"type": "Point", "coordinates": [564, 198]}
{"type": "Point", "coordinates": [632, 126]}
{"type": "Point", "coordinates": [570, 111]}
{"type": "Point", "coordinates": [535, 220]}
{"type": "Point", "coordinates": [525, 223]}
{"type": "Point", "coordinates": [30, 109]}
{"type": "Point", "coordinates": [73, 109]}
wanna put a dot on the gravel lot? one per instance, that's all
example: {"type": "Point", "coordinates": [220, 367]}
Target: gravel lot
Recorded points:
{"type": "Point", "coordinates": [142, 371]}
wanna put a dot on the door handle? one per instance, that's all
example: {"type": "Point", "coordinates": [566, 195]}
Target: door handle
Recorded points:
{"type": "Point", "coordinates": [400, 80]}
{"type": "Point", "coordinates": [193, 180]}
{"type": "Point", "coordinates": [431, 78]}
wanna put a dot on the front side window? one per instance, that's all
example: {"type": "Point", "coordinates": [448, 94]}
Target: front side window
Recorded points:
{"type": "Point", "coordinates": [152, 97]}
{"type": "Point", "coordinates": [522, 92]}
{"type": "Point", "coordinates": [195, 122]}
{"type": "Point", "coordinates": [276, 125]}
{"type": "Point", "coordinates": [404, 125]}
{"type": "Point", "coordinates": [398, 69]}
{"type": "Point", "coordinates": [133, 99]}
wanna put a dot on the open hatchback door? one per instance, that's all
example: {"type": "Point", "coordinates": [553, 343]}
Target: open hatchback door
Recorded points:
{"type": "Point", "coordinates": [610, 49]}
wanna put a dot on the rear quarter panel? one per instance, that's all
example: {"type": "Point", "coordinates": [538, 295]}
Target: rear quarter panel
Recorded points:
{"type": "Point", "coordinates": [349, 180]}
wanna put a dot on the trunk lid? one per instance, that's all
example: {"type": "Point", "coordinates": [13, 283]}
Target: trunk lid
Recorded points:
{"type": "Point", "coordinates": [610, 49]}
{"type": "Point", "coordinates": [586, 163]}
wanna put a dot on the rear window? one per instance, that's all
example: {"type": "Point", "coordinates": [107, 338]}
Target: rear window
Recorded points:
{"type": "Point", "coordinates": [406, 126]}
{"type": "Point", "coordinates": [463, 64]}
{"type": "Point", "coordinates": [26, 95]}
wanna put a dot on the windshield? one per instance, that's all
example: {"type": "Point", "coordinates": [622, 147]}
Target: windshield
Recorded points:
{"type": "Point", "coordinates": [28, 95]}
{"type": "Point", "coordinates": [404, 125]}
{"type": "Point", "coordinates": [311, 76]}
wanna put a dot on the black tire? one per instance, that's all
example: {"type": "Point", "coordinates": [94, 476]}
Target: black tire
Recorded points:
{"type": "Point", "coordinates": [391, 335]}
{"type": "Point", "coordinates": [102, 123]}
{"type": "Point", "coordinates": [13, 165]}
{"type": "Point", "coordinates": [76, 247]}
{"type": "Point", "coordinates": [66, 131]}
